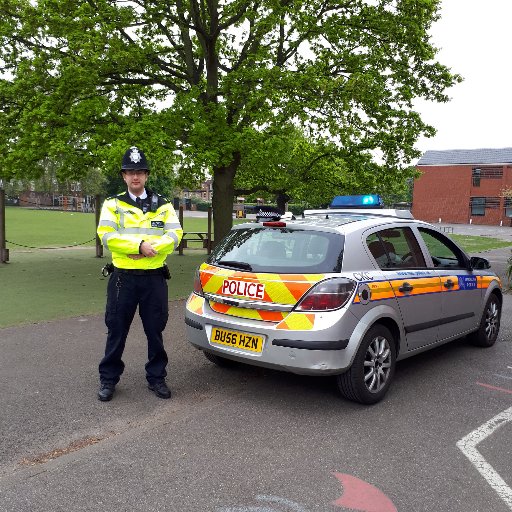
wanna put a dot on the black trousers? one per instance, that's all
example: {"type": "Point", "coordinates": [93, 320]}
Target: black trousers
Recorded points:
{"type": "Point", "coordinates": [124, 293]}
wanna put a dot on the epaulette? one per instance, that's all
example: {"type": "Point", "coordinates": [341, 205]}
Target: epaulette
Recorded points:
{"type": "Point", "coordinates": [115, 195]}
{"type": "Point", "coordinates": [161, 198]}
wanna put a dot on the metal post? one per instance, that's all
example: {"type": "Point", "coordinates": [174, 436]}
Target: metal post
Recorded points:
{"type": "Point", "coordinates": [4, 252]}
{"type": "Point", "coordinates": [209, 235]}
{"type": "Point", "coordinates": [180, 218]}
{"type": "Point", "coordinates": [97, 211]}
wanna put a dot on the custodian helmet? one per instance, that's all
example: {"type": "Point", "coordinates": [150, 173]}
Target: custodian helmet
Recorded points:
{"type": "Point", "coordinates": [134, 158]}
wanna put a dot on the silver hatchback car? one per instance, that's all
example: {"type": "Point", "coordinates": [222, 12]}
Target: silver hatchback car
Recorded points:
{"type": "Point", "coordinates": [342, 291]}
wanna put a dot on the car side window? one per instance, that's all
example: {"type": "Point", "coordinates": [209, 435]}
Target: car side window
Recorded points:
{"type": "Point", "coordinates": [443, 251]}
{"type": "Point", "coordinates": [396, 248]}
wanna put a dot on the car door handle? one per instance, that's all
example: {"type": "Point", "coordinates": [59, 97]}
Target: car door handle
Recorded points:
{"type": "Point", "coordinates": [448, 284]}
{"type": "Point", "coordinates": [405, 288]}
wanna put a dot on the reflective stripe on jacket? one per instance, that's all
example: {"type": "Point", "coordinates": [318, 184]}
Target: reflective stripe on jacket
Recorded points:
{"type": "Point", "coordinates": [122, 227]}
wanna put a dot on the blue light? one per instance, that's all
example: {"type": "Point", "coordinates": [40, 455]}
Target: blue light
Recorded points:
{"type": "Point", "coordinates": [359, 201]}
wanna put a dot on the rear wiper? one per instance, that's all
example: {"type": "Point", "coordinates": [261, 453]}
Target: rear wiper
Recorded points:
{"type": "Point", "coordinates": [235, 264]}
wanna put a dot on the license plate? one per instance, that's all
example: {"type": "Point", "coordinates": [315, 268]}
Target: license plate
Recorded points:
{"type": "Point", "coordinates": [236, 339]}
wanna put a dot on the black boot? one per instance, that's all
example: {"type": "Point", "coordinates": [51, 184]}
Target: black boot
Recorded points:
{"type": "Point", "coordinates": [106, 392]}
{"type": "Point", "coordinates": [160, 389]}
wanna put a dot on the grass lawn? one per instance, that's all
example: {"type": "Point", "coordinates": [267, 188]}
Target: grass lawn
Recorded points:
{"type": "Point", "coordinates": [472, 244]}
{"type": "Point", "coordinates": [50, 228]}
{"type": "Point", "coordinates": [43, 284]}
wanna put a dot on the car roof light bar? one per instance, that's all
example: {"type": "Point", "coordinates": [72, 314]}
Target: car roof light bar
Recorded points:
{"type": "Point", "coordinates": [357, 201]}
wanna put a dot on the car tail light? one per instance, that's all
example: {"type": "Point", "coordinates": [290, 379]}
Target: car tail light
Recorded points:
{"type": "Point", "coordinates": [198, 289]}
{"type": "Point", "coordinates": [327, 295]}
{"type": "Point", "coordinates": [274, 224]}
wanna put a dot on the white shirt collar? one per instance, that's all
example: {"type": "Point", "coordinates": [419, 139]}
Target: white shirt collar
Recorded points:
{"type": "Point", "coordinates": [142, 196]}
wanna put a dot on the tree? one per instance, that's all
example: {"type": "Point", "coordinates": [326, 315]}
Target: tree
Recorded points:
{"type": "Point", "coordinates": [289, 165]}
{"type": "Point", "coordinates": [49, 181]}
{"type": "Point", "coordinates": [197, 83]}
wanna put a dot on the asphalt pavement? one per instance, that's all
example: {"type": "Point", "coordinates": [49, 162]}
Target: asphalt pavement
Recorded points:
{"type": "Point", "coordinates": [247, 439]}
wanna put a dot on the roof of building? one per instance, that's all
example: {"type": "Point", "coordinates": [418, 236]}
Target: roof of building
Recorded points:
{"type": "Point", "coordinates": [467, 156]}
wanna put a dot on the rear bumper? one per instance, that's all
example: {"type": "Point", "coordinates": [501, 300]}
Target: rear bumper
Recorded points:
{"type": "Point", "coordinates": [292, 343]}
{"type": "Point", "coordinates": [322, 351]}
{"type": "Point", "coordinates": [311, 345]}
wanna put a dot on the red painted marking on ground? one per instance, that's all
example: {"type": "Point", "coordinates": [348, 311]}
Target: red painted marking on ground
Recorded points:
{"type": "Point", "coordinates": [495, 388]}
{"type": "Point", "coordinates": [360, 495]}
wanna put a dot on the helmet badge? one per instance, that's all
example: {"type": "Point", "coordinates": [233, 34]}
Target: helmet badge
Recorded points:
{"type": "Point", "coordinates": [135, 156]}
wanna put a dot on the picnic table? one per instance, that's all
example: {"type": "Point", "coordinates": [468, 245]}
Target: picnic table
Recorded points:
{"type": "Point", "coordinates": [205, 237]}
{"type": "Point", "coordinates": [195, 236]}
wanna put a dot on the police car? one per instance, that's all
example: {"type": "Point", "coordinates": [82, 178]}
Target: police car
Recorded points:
{"type": "Point", "coordinates": [343, 291]}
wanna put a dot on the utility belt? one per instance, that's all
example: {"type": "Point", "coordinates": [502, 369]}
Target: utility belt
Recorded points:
{"type": "Point", "coordinates": [109, 269]}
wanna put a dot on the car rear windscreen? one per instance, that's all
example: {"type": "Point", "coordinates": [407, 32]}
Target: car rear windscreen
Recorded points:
{"type": "Point", "coordinates": [280, 250]}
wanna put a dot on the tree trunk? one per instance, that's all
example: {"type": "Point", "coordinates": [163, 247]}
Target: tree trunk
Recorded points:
{"type": "Point", "coordinates": [281, 199]}
{"type": "Point", "coordinates": [223, 195]}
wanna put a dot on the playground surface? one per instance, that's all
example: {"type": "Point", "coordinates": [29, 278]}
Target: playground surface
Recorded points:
{"type": "Point", "coordinates": [59, 441]}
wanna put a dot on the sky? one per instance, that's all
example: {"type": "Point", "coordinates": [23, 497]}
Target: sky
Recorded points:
{"type": "Point", "coordinates": [475, 41]}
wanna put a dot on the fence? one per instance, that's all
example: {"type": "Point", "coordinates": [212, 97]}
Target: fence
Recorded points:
{"type": "Point", "coordinates": [86, 206]}
{"type": "Point", "coordinates": [205, 238]}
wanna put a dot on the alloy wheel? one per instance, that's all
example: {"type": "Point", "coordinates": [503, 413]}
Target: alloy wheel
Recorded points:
{"type": "Point", "coordinates": [491, 320]}
{"type": "Point", "coordinates": [377, 364]}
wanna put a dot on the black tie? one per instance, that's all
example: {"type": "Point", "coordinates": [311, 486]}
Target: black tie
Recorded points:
{"type": "Point", "coordinates": [138, 200]}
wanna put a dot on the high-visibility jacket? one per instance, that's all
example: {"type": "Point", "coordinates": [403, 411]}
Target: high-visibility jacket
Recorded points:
{"type": "Point", "coordinates": [123, 226]}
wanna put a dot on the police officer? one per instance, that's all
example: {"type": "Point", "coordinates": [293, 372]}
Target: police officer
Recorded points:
{"type": "Point", "coordinates": [140, 228]}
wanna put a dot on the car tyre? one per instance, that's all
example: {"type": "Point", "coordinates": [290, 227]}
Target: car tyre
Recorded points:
{"type": "Point", "coordinates": [370, 375]}
{"type": "Point", "coordinates": [218, 360]}
{"type": "Point", "coordinates": [489, 327]}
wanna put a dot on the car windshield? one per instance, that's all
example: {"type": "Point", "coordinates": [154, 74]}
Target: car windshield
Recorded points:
{"type": "Point", "coordinates": [280, 250]}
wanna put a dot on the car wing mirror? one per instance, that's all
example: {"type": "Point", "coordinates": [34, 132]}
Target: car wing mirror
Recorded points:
{"type": "Point", "coordinates": [479, 263]}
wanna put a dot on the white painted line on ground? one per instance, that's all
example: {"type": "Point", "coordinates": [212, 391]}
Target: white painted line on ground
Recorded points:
{"type": "Point", "coordinates": [296, 507]}
{"type": "Point", "coordinates": [468, 447]}
{"type": "Point", "coordinates": [272, 500]}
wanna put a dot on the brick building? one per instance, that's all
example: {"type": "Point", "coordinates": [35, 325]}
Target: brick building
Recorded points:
{"type": "Point", "coordinates": [463, 186]}
{"type": "Point", "coordinates": [205, 192]}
